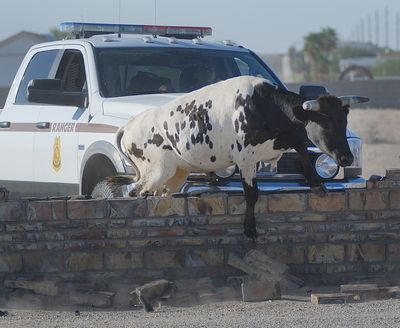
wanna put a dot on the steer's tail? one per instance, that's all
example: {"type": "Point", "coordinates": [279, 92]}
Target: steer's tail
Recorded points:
{"type": "Point", "coordinates": [124, 179]}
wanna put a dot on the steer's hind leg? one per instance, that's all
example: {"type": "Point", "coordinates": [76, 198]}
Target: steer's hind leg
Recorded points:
{"type": "Point", "coordinates": [154, 179]}
{"type": "Point", "coordinates": [175, 183]}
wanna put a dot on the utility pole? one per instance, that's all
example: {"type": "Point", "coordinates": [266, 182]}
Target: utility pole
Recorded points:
{"type": "Point", "coordinates": [369, 28]}
{"type": "Point", "coordinates": [377, 27]}
{"type": "Point", "coordinates": [386, 27]}
{"type": "Point", "coordinates": [362, 30]}
{"type": "Point", "coordinates": [398, 31]}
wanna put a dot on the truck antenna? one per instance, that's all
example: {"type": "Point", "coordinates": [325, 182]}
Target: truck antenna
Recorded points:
{"type": "Point", "coordinates": [155, 12]}
{"type": "Point", "coordinates": [119, 18]}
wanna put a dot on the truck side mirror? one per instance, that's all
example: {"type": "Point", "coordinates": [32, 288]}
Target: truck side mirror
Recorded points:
{"type": "Point", "coordinates": [50, 91]}
{"type": "Point", "coordinates": [312, 92]}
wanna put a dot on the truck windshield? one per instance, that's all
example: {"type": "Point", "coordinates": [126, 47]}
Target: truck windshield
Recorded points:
{"type": "Point", "coordinates": [128, 71]}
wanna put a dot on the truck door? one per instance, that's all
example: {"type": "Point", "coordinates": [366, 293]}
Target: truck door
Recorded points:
{"type": "Point", "coordinates": [18, 124]}
{"type": "Point", "coordinates": [56, 140]}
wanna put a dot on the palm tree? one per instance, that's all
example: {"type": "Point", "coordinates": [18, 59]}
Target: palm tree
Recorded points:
{"type": "Point", "coordinates": [318, 50]}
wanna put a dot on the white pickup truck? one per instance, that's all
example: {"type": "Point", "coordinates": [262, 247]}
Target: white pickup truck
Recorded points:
{"type": "Point", "coordinates": [69, 97]}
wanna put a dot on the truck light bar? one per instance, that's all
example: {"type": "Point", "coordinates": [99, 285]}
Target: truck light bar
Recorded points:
{"type": "Point", "coordinates": [85, 30]}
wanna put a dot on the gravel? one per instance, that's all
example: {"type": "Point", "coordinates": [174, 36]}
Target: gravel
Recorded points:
{"type": "Point", "coordinates": [282, 313]}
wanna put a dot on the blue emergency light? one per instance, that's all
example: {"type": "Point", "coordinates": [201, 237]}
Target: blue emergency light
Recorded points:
{"type": "Point", "coordinates": [85, 30]}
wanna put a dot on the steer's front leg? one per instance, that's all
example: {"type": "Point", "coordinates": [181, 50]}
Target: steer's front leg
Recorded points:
{"type": "Point", "coordinates": [251, 196]}
{"type": "Point", "coordinates": [315, 182]}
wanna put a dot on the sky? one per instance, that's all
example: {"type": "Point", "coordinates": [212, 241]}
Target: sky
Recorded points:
{"type": "Point", "coordinates": [264, 26]}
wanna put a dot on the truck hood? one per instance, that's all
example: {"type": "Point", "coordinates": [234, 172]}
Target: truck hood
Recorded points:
{"type": "Point", "coordinates": [125, 107]}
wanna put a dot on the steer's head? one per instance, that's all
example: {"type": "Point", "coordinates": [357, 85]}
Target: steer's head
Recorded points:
{"type": "Point", "coordinates": [326, 122]}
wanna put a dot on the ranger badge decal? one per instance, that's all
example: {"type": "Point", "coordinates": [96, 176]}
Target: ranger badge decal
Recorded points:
{"type": "Point", "coordinates": [57, 154]}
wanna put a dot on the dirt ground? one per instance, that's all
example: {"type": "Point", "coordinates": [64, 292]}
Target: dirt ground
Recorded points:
{"type": "Point", "coordinates": [282, 313]}
{"type": "Point", "coordinates": [380, 131]}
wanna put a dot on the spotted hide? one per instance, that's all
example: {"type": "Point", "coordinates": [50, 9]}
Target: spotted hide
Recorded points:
{"type": "Point", "coordinates": [239, 121]}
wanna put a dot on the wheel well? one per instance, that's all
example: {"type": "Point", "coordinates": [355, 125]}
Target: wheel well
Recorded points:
{"type": "Point", "coordinates": [96, 169]}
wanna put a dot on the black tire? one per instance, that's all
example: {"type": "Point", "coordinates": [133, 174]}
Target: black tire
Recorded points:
{"type": "Point", "coordinates": [105, 189]}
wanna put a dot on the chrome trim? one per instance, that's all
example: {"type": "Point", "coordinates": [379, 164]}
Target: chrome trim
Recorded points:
{"type": "Point", "coordinates": [195, 188]}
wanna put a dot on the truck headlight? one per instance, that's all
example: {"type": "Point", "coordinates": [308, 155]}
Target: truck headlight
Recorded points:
{"type": "Point", "coordinates": [226, 173]}
{"type": "Point", "coordinates": [355, 145]}
{"type": "Point", "coordinates": [326, 166]}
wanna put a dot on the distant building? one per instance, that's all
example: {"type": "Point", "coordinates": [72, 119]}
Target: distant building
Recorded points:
{"type": "Point", "coordinates": [13, 50]}
{"type": "Point", "coordinates": [280, 64]}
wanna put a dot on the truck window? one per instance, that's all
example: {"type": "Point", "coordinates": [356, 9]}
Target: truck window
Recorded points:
{"type": "Point", "coordinates": [38, 68]}
{"type": "Point", "coordinates": [71, 71]}
{"type": "Point", "coordinates": [127, 71]}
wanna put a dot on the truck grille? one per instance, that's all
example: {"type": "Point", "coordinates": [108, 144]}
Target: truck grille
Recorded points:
{"type": "Point", "coordinates": [290, 163]}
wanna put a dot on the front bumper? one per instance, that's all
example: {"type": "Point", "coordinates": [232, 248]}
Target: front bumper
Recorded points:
{"type": "Point", "coordinates": [268, 185]}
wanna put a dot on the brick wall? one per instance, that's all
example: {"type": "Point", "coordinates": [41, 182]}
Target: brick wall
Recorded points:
{"type": "Point", "coordinates": [342, 237]}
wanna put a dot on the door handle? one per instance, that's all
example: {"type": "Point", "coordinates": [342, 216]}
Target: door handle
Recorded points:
{"type": "Point", "coordinates": [5, 125]}
{"type": "Point", "coordinates": [43, 125]}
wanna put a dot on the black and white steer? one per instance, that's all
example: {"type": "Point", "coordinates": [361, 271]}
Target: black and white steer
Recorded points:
{"type": "Point", "coordinates": [239, 121]}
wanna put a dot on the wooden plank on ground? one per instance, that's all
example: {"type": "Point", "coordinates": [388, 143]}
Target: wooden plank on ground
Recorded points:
{"type": "Point", "coordinates": [332, 298]}
{"type": "Point", "coordinates": [238, 263]}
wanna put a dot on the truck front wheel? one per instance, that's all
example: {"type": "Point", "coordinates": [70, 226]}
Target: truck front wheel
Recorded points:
{"type": "Point", "coordinates": [105, 189]}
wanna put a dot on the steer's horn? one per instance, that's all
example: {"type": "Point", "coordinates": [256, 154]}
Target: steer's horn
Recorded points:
{"type": "Point", "coordinates": [311, 105]}
{"type": "Point", "coordinates": [350, 100]}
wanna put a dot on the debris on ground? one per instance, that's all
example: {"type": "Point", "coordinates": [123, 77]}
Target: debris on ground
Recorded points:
{"type": "Point", "coordinates": [150, 293]}
{"type": "Point", "coordinates": [351, 293]}
{"type": "Point", "coordinates": [332, 298]}
{"type": "Point", "coordinates": [265, 278]}
{"type": "Point", "coordinates": [42, 287]}
{"type": "Point", "coordinates": [4, 193]}
{"type": "Point", "coordinates": [3, 313]}
{"type": "Point", "coordinates": [91, 298]}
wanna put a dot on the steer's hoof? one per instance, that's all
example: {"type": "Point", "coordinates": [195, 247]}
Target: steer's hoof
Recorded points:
{"type": "Point", "coordinates": [251, 233]}
{"type": "Point", "coordinates": [320, 190]}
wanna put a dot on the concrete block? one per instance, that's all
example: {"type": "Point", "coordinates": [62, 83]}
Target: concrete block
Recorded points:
{"type": "Point", "coordinates": [123, 260]}
{"type": "Point", "coordinates": [287, 203]}
{"type": "Point", "coordinates": [332, 202]}
{"type": "Point", "coordinates": [87, 209]}
{"type": "Point", "coordinates": [260, 290]}
{"type": "Point", "coordinates": [207, 205]}
{"type": "Point", "coordinates": [368, 200]}
{"type": "Point", "coordinates": [43, 262]}
{"type": "Point", "coordinates": [84, 262]}
{"type": "Point", "coordinates": [194, 285]}
{"type": "Point", "coordinates": [127, 208]}
{"type": "Point", "coordinates": [172, 232]}
{"type": "Point", "coordinates": [287, 254]}
{"type": "Point", "coordinates": [12, 211]}
{"type": "Point", "coordinates": [393, 252]}
{"type": "Point", "coordinates": [325, 253]}
{"type": "Point", "coordinates": [395, 199]}
{"type": "Point", "coordinates": [96, 299]}
{"type": "Point", "coordinates": [151, 292]}
{"type": "Point", "coordinates": [157, 259]}
{"type": "Point", "coordinates": [208, 257]}
{"type": "Point", "coordinates": [166, 206]}
{"type": "Point", "coordinates": [365, 252]}
{"type": "Point", "coordinates": [237, 204]}
{"type": "Point", "coordinates": [47, 210]}
{"type": "Point", "coordinates": [42, 287]}
{"type": "Point", "coordinates": [10, 263]}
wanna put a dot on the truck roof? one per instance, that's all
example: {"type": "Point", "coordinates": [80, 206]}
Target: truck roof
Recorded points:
{"type": "Point", "coordinates": [113, 41]}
